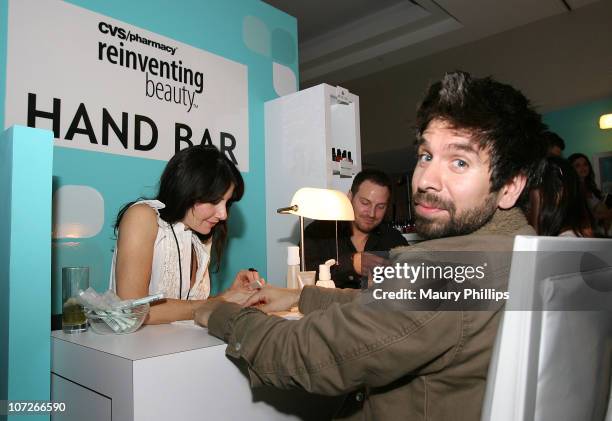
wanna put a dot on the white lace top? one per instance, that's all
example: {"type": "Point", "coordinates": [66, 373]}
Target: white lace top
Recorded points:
{"type": "Point", "coordinates": [165, 268]}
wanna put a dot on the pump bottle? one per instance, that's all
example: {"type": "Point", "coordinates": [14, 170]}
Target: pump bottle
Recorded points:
{"type": "Point", "coordinates": [325, 280]}
{"type": "Point", "coordinates": [293, 266]}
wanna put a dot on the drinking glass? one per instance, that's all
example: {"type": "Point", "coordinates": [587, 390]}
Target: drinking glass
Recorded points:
{"type": "Point", "coordinates": [73, 280]}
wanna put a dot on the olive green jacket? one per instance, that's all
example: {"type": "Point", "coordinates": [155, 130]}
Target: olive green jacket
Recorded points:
{"type": "Point", "coordinates": [390, 363]}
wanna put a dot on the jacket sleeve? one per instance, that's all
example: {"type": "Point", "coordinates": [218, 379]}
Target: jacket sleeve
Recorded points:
{"type": "Point", "coordinates": [314, 298]}
{"type": "Point", "coordinates": [339, 349]}
{"type": "Point", "coordinates": [397, 239]}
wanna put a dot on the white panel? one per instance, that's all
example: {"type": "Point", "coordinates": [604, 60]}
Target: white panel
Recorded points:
{"type": "Point", "coordinates": [256, 35]}
{"type": "Point", "coordinates": [295, 158]}
{"type": "Point", "coordinates": [101, 63]}
{"type": "Point", "coordinates": [299, 140]}
{"type": "Point", "coordinates": [103, 372]}
{"type": "Point", "coordinates": [285, 82]}
{"type": "Point", "coordinates": [78, 212]}
{"type": "Point", "coordinates": [204, 375]}
{"type": "Point", "coordinates": [535, 350]}
{"type": "Point", "coordinates": [84, 404]}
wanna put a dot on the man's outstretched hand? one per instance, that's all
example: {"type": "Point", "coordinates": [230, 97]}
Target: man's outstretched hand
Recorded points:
{"type": "Point", "coordinates": [267, 299]}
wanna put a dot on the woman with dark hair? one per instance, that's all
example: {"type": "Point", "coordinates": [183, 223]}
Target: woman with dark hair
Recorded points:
{"type": "Point", "coordinates": [594, 197]}
{"type": "Point", "coordinates": [166, 244]}
{"type": "Point", "coordinates": [557, 206]}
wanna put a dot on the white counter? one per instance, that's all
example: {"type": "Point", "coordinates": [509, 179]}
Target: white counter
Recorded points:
{"type": "Point", "coordinates": [164, 372]}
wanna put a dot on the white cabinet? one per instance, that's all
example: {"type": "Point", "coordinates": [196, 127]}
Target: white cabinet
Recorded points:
{"type": "Point", "coordinates": [164, 372]}
{"type": "Point", "coordinates": [301, 130]}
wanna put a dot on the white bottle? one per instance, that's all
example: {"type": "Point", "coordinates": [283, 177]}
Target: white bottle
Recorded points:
{"type": "Point", "coordinates": [293, 266]}
{"type": "Point", "coordinates": [325, 280]}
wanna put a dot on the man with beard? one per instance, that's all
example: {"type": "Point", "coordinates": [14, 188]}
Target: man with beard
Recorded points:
{"type": "Point", "coordinates": [370, 195]}
{"type": "Point", "coordinates": [480, 146]}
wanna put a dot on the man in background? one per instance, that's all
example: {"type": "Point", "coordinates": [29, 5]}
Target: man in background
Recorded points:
{"type": "Point", "coordinates": [370, 196]}
{"type": "Point", "coordinates": [556, 145]}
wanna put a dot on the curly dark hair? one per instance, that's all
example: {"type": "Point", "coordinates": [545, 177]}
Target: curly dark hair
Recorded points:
{"type": "Point", "coordinates": [498, 117]}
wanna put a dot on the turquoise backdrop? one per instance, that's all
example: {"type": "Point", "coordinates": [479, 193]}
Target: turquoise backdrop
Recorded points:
{"type": "Point", "coordinates": [579, 127]}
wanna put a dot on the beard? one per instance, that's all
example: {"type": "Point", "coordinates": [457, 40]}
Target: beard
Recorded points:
{"type": "Point", "coordinates": [464, 223]}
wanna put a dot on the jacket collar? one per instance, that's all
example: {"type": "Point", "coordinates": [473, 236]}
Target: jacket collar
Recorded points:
{"type": "Point", "coordinates": [504, 222]}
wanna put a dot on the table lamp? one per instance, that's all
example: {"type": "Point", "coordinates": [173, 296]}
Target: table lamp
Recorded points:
{"type": "Point", "coordinates": [322, 204]}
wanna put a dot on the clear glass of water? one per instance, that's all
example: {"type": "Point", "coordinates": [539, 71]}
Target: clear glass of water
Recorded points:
{"type": "Point", "coordinates": [73, 280]}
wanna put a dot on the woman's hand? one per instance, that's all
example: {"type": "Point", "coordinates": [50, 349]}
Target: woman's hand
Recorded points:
{"type": "Point", "coordinates": [237, 295]}
{"type": "Point", "coordinates": [248, 280]}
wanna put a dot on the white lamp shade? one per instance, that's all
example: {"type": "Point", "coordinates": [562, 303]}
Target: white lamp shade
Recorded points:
{"type": "Point", "coordinates": [605, 121]}
{"type": "Point", "coordinates": [322, 204]}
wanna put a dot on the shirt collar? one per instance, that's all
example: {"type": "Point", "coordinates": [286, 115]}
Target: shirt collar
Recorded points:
{"type": "Point", "coordinates": [180, 227]}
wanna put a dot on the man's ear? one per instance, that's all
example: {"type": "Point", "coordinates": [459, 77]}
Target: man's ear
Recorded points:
{"type": "Point", "coordinates": [511, 191]}
{"type": "Point", "coordinates": [350, 195]}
